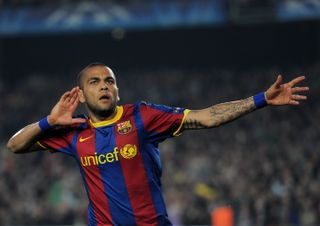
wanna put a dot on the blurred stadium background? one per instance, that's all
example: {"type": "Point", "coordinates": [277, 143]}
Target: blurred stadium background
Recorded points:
{"type": "Point", "coordinates": [187, 53]}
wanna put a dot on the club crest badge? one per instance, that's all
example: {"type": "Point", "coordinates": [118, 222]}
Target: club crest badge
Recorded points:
{"type": "Point", "coordinates": [124, 127]}
{"type": "Point", "coordinates": [129, 151]}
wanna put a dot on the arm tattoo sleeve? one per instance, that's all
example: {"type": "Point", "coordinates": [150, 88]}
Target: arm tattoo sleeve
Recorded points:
{"type": "Point", "coordinates": [226, 112]}
{"type": "Point", "coordinates": [220, 114]}
{"type": "Point", "coordinates": [193, 124]}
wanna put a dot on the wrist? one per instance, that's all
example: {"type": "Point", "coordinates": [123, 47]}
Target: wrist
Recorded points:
{"type": "Point", "coordinates": [260, 100]}
{"type": "Point", "coordinates": [51, 121]}
{"type": "Point", "coordinates": [266, 98]}
{"type": "Point", "coordinates": [45, 123]}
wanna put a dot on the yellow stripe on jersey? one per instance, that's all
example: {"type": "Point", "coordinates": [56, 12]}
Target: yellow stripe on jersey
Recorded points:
{"type": "Point", "coordinates": [178, 131]}
{"type": "Point", "coordinates": [110, 121]}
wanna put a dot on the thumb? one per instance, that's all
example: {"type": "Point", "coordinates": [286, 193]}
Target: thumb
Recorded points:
{"type": "Point", "coordinates": [278, 82]}
{"type": "Point", "coordinates": [78, 120]}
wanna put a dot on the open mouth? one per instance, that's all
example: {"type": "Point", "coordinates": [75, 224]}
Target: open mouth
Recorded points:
{"type": "Point", "coordinates": [104, 97]}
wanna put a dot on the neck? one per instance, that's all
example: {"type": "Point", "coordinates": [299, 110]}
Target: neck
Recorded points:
{"type": "Point", "coordinates": [99, 118]}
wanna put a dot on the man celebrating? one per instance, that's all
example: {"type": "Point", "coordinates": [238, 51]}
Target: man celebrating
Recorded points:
{"type": "Point", "coordinates": [116, 147]}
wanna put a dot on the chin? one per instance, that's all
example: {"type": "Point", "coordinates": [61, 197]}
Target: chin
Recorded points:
{"type": "Point", "coordinates": [106, 111]}
{"type": "Point", "coordinates": [103, 111]}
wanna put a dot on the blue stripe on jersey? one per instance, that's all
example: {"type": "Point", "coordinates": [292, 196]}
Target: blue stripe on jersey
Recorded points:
{"type": "Point", "coordinates": [91, 216]}
{"type": "Point", "coordinates": [153, 171]}
{"type": "Point", "coordinates": [165, 108]}
{"type": "Point", "coordinates": [65, 150]}
{"type": "Point", "coordinates": [70, 150]}
{"type": "Point", "coordinates": [113, 180]}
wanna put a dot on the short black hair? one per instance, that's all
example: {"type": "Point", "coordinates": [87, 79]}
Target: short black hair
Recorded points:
{"type": "Point", "coordinates": [81, 73]}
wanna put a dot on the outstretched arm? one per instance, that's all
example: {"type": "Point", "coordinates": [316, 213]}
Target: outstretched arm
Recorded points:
{"type": "Point", "coordinates": [61, 115]}
{"type": "Point", "coordinates": [216, 115]}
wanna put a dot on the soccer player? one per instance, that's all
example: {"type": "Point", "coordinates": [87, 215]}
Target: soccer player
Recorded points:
{"type": "Point", "coordinates": [116, 147]}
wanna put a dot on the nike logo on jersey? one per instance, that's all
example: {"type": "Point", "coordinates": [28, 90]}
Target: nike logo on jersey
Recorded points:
{"type": "Point", "coordinates": [84, 139]}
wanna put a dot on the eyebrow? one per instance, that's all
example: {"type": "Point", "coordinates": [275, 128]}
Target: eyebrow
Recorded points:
{"type": "Point", "coordinates": [93, 78]}
{"type": "Point", "coordinates": [97, 77]}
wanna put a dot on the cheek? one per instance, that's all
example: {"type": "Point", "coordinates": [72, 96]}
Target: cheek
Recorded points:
{"type": "Point", "coordinates": [116, 94]}
{"type": "Point", "coordinates": [88, 96]}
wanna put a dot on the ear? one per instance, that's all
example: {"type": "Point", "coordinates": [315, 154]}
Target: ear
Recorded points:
{"type": "Point", "coordinates": [81, 96]}
{"type": "Point", "coordinates": [118, 98]}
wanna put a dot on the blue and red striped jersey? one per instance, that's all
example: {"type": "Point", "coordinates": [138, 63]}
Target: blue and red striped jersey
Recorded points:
{"type": "Point", "coordinates": [119, 161]}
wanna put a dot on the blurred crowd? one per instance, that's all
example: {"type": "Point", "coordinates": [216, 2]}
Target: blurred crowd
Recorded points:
{"type": "Point", "coordinates": [249, 3]}
{"type": "Point", "coordinates": [264, 166]}
{"type": "Point", "coordinates": [36, 3]}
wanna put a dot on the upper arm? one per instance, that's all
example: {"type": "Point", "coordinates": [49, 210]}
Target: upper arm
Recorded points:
{"type": "Point", "coordinates": [195, 119]}
{"type": "Point", "coordinates": [31, 139]}
{"type": "Point", "coordinates": [33, 148]}
{"type": "Point", "coordinates": [59, 140]}
{"type": "Point", "coordinates": [24, 140]}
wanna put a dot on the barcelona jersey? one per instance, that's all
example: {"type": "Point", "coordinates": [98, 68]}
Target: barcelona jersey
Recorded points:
{"type": "Point", "coordinates": [119, 161]}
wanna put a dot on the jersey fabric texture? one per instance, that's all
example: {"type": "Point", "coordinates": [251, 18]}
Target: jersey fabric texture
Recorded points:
{"type": "Point", "coordinates": [119, 161]}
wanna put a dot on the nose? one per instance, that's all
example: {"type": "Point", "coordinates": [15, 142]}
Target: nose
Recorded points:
{"type": "Point", "coordinates": [104, 86]}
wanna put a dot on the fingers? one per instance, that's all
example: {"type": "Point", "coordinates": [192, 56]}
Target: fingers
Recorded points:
{"type": "Point", "coordinates": [296, 98]}
{"type": "Point", "coordinates": [299, 97]}
{"type": "Point", "coordinates": [294, 102]}
{"type": "Point", "coordinates": [278, 81]}
{"type": "Point", "coordinates": [64, 96]}
{"type": "Point", "coordinates": [75, 97]}
{"type": "Point", "coordinates": [296, 81]}
{"type": "Point", "coordinates": [70, 97]}
{"type": "Point", "coordinates": [299, 89]}
{"type": "Point", "coordinates": [78, 120]}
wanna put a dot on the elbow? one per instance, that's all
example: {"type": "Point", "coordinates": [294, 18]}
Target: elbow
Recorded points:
{"type": "Point", "coordinates": [209, 124]}
{"type": "Point", "coordinates": [214, 125]}
{"type": "Point", "coordinates": [12, 147]}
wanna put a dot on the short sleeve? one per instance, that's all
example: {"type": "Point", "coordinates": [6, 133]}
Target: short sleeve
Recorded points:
{"type": "Point", "coordinates": [57, 140]}
{"type": "Point", "coordinates": [160, 121]}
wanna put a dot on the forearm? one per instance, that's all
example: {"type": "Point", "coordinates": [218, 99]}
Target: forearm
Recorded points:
{"type": "Point", "coordinates": [219, 114]}
{"type": "Point", "coordinates": [24, 139]}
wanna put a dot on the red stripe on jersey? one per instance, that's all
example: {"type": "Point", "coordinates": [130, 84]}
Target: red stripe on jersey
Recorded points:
{"type": "Point", "coordinates": [135, 175]}
{"type": "Point", "coordinates": [164, 120]}
{"type": "Point", "coordinates": [55, 141]}
{"type": "Point", "coordinates": [86, 146]}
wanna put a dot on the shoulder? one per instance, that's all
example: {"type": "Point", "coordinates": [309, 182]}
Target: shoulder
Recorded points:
{"type": "Point", "coordinates": [132, 108]}
{"type": "Point", "coordinates": [145, 106]}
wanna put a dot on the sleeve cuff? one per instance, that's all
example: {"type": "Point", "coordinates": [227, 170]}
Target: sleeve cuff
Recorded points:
{"type": "Point", "coordinates": [178, 132]}
{"type": "Point", "coordinates": [44, 147]}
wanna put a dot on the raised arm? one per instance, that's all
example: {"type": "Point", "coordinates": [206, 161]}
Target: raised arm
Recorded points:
{"type": "Point", "coordinates": [216, 115]}
{"type": "Point", "coordinates": [61, 115]}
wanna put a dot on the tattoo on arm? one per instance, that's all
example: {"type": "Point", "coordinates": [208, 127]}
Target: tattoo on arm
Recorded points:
{"type": "Point", "coordinates": [219, 114]}
{"type": "Point", "coordinates": [192, 124]}
{"type": "Point", "coordinates": [226, 112]}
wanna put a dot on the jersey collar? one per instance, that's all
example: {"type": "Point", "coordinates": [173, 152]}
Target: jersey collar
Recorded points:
{"type": "Point", "coordinates": [110, 121]}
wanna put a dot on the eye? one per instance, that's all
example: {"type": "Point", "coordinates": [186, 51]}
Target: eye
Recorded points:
{"type": "Point", "coordinates": [93, 82]}
{"type": "Point", "coordinates": [110, 81]}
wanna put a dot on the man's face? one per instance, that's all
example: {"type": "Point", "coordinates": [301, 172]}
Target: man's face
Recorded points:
{"type": "Point", "coordinates": [99, 91]}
